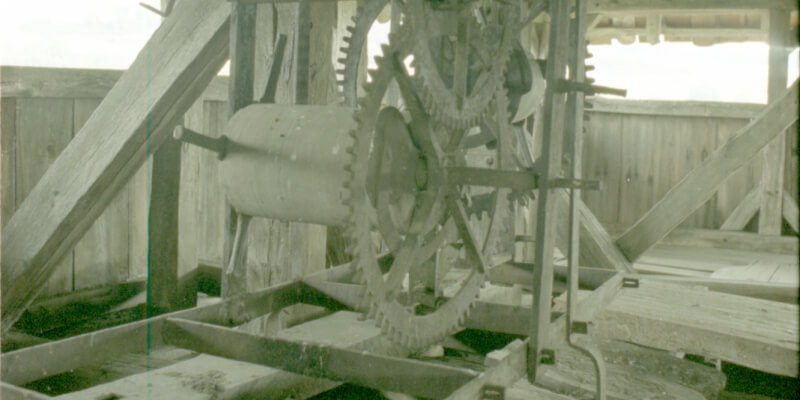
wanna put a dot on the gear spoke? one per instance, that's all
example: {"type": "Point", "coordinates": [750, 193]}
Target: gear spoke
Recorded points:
{"type": "Point", "coordinates": [420, 125]}
{"type": "Point", "coordinates": [467, 236]}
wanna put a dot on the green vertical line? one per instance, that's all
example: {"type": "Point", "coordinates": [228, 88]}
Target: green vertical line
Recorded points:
{"type": "Point", "coordinates": [148, 166]}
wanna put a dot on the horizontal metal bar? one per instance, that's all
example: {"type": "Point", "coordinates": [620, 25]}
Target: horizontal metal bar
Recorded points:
{"type": "Point", "coordinates": [218, 145]}
{"type": "Point", "coordinates": [515, 272]}
{"type": "Point", "coordinates": [413, 377]}
{"type": "Point", "coordinates": [518, 180]}
{"type": "Point", "coordinates": [582, 184]}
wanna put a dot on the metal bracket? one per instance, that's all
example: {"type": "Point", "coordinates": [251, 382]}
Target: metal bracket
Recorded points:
{"type": "Point", "coordinates": [493, 392]}
{"type": "Point", "coordinates": [547, 357]}
{"type": "Point", "coordinates": [630, 283]}
{"type": "Point", "coordinates": [580, 327]}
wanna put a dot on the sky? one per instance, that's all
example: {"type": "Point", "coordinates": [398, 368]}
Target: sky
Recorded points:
{"type": "Point", "coordinates": [108, 34]}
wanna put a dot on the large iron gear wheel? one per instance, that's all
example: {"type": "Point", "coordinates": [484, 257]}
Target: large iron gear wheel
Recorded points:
{"type": "Point", "coordinates": [353, 45]}
{"type": "Point", "coordinates": [495, 35]}
{"type": "Point", "coordinates": [398, 321]}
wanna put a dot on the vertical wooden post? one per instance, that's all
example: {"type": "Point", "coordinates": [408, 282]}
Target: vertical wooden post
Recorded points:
{"type": "Point", "coordinates": [240, 95]}
{"type": "Point", "coordinates": [162, 228]}
{"type": "Point", "coordinates": [551, 164]}
{"type": "Point", "coordinates": [770, 217]}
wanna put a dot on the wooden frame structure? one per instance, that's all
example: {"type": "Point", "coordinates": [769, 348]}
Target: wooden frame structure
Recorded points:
{"type": "Point", "coordinates": [31, 250]}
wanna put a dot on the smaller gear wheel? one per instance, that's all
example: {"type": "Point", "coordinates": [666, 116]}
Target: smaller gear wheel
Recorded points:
{"type": "Point", "coordinates": [461, 59]}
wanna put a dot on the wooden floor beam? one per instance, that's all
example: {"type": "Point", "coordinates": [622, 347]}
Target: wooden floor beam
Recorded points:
{"type": "Point", "coordinates": [136, 116]}
{"type": "Point", "coordinates": [701, 183]}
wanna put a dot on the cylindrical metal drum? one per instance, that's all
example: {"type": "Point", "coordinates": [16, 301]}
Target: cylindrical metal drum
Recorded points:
{"type": "Point", "coordinates": [288, 162]}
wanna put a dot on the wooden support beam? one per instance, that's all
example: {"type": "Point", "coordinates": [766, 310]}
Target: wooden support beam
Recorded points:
{"type": "Point", "coordinates": [162, 226]}
{"type": "Point", "coordinates": [743, 212]}
{"type": "Point", "coordinates": [37, 362]}
{"type": "Point", "coordinates": [221, 378]}
{"type": "Point", "coordinates": [240, 95]}
{"type": "Point", "coordinates": [414, 377]}
{"type": "Point", "coordinates": [550, 168]}
{"type": "Point", "coordinates": [701, 183]}
{"type": "Point", "coordinates": [27, 365]}
{"type": "Point", "coordinates": [171, 72]}
{"type": "Point", "coordinates": [770, 216]}
{"type": "Point", "coordinates": [712, 238]}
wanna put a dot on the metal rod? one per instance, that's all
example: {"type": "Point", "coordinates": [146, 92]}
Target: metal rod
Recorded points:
{"type": "Point", "coordinates": [186, 135]}
{"type": "Point", "coordinates": [575, 101]}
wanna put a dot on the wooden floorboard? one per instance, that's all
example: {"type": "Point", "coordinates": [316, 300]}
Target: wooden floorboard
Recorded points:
{"type": "Point", "coordinates": [755, 333]}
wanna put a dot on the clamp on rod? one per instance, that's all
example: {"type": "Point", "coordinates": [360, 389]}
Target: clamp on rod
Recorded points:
{"type": "Point", "coordinates": [186, 135]}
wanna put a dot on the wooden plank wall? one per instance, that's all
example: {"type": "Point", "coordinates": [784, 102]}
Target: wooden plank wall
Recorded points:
{"type": "Point", "coordinates": [640, 150]}
{"type": "Point", "coordinates": [41, 110]}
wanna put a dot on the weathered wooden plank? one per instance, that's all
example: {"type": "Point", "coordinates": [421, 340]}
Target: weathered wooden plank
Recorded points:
{"type": "Point", "coordinates": [770, 215]}
{"type": "Point", "coordinates": [699, 185]}
{"type": "Point", "coordinates": [8, 151]}
{"type": "Point", "coordinates": [44, 129]}
{"type": "Point", "coordinates": [172, 70]}
{"type": "Point", "coordinates": [599, 6]}
{"type": "Point", "coordinates": [632, 372]}
{"type": "Point", "coordinates": [74, 83]}
{"type": "Point", "coordinates": [550, 166]}
{"type": "Point", "coordinates": [162, 228]}
{"type": "Point", "coordinates": [101, 256]}
{"type": "Point", "coordinates": [756, 333]}
{"type": "Point", "coordinates": [602, 161]}
{"type": "Point", "coordinates": [675, 108]}
{"type": "Point", "coordinates": [744, 212]}
{"type": "Point", "coordinates": [711, 238]}
{"type": "Point", "coordinates": [138, 202]}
